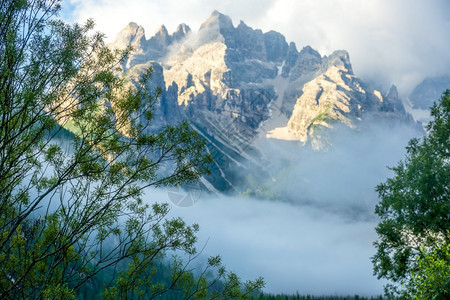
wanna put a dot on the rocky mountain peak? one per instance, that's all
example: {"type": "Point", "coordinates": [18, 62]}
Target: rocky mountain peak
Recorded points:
{"type": "Point", "coordinates": [339, 58]}
{"type": "Point", "coordinates": [133, 25]}
{"type": "Point", "coordinates": [162, 31]}
{"type": "Point", "coordinates": [309, 52]}
{"type": "Point", "coordinates": [181, 32]}
{"type": "Point", "coordinates": [336, 97]}
{"type": "Point", "coordinates": [291, 60]}
{"type": "Point", "coordinates": [243, 25]}
{"type": "Point", "coordinates": [160, 41]}
{"type": "Point", "coordinates": [392, 93]}
{"type": "Point", "coordinates": [217, 27]}
{"type": "Point", "coordinates": [429, 90]}
{"type": "Point", "coordinates": [276, 46]}
{"type": "Point", "coordinates": [243, 42]}
{"type": "Point", "coordinates": [308, 62]}
{"type": "Point", "coordinates": [392, 102]}
{"type": "Point", "coordinates": [133, 34]}
{"type": "Point", "coordinates": [217, 20]}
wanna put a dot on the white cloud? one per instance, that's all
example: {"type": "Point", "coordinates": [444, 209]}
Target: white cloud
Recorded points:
{"type": "Point", "coordinates": [112, 15]}
{"type": "Point", "coordinates": [399, 41]}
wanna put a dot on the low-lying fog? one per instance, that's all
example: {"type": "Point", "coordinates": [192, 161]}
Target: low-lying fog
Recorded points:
{"type": "Point", "coordinates": [319, 241]}
{"type": "Point", "coordinates": [294, 248]}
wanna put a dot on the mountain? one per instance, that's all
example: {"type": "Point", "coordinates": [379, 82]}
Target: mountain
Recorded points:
{"type": "Point", "coordinates": [153, 49]}
{"type": "Point", "coordinates": [240, 87]}
{"type": "Point", "coordinates": [337, 96]}
{"type": "Point", "coordinates": [428, 91]}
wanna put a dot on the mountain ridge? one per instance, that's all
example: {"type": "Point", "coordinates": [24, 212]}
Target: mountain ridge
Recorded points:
{"type": "Point", "coordinates": [228, 81]}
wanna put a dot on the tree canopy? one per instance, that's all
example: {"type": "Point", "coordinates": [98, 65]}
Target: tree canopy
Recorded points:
{"type": "Point", "coordinates": [414, 230]}
{"type": "Point", "coordinates": [76, 154]}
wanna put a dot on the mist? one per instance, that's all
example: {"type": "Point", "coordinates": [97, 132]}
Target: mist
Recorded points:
{"type": "Point", "coordinates": [295, 248]}
{"type": "Point", "coordinates": [316, 237]}
{"type": "Point", "coordinates": [342, 177]}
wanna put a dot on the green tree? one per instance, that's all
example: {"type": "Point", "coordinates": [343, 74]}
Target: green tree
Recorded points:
{"type": "Point", "coordinates": [414, 230]}
{"type": "Point", "coordinates": [430, 279]}
{"type": "Point", "coordinates": [71, 208]}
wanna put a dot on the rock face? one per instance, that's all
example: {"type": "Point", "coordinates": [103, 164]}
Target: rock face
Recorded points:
{"type": "Point", "coordinates": [428, 91]}
{"type": "Point", "coordinates": [225, 80]}
{"type": "Point", "coordinates": [153, 49]}
{"type": "Point", "coordinates": [219, 78]}
{"type": "Point", "coordinates": [337, 96]}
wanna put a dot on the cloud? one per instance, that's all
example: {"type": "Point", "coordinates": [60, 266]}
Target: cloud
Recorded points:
{"type": "Point", "coordinates": [388, 41]}
{"type": "Point", "coordinates": [343, 179]}
{"type": "Point", "coordinates": [295, 248]}
{"type": "Point", "coordinates": [316, 237]}
{"type": "Point", "coordinates": [398, 42]}
{"type": "Point", "coordinates": [113, 15]}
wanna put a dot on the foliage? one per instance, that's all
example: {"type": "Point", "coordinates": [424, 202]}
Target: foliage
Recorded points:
{"type": "Point", "coordinates": [431, 278]}
{"type": "Point", "coordinates": [415, 211]}
{"type": "Point", "coordinates": [72, 209]}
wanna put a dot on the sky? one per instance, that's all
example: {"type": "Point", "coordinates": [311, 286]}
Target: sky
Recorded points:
{"type": "Point", "coordinates": [389, 41]}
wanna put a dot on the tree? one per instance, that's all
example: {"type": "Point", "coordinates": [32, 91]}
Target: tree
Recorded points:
{"type": "Point", "coordinates": [430, 279]}
{"type": "Point", "coordinates": [414, 230]}
{"type": "Point", "coordinates": [71, 203]}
